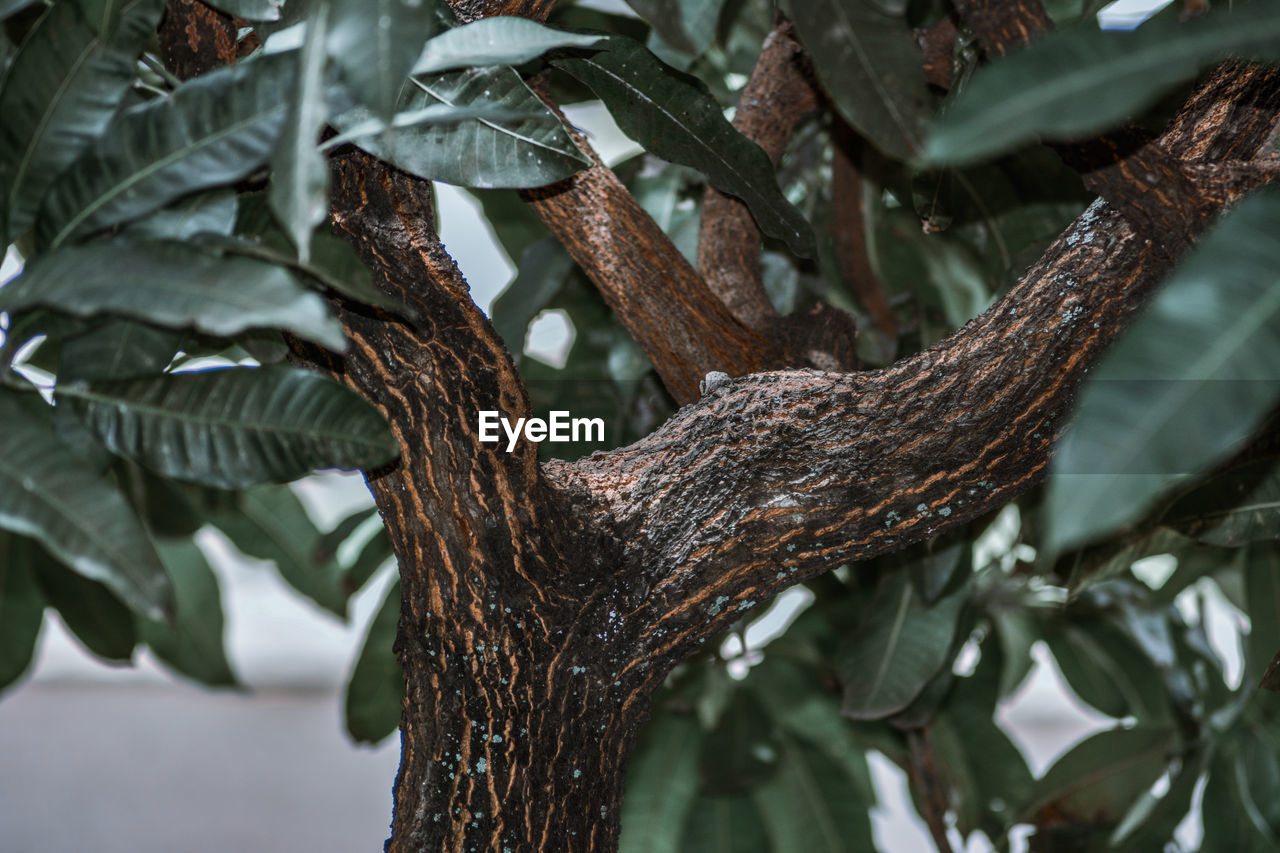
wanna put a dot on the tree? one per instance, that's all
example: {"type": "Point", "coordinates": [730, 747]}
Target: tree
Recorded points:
{"type": "Point", "coordinates": [183, 183]}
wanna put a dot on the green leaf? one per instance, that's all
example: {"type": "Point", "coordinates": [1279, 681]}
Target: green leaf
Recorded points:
{"type": "Point", "coordinates": [250, 10]}
{"type": "Point", "coordinates": [1082, 80]}
{"type": "Point", "coordinates": [674, 116]}
{"type": "Point", "coordinates": [662, 781]}
{"type": "Point", "coordinates": [897, 650]}
{"type": "Point", "coordinates": [8, 8]}
{"type": "Point", "coordinates": [529, 149]}
{"type": "Point", "coordinates": [870, 67]}
{"type": "Point", "coordinates": [175, 284]}
{"type": "Point", "coordinates": [270, 523]}
{"type": "Point", "coordinates": [500, 40]}
{"type": "Point", "coordinates": [192, 642]}
{"type": "Point", "coordinates": [1106, 670]}
{"type": "Point", "coordinates": [1099, 778]}
{"type": "Point", "coordinates": [299, 173]}
{"type": "Point", "coordinates": [375, 43]}
{"type": "Point", "coordinates": [373, 556]}
{"type": "Point", "coordinates": [1262, 593]}
{"type": "Point", "coordinates": [724, 824]}
{"type": "Point", "coordinates": [1190, 380]}
{"type": "Point", "coordinates": [811, 805]}
{"type": "Point", "coordinates": [211, 212]}
{"type": "Point", "coordinates": [234, 427]}
{"type": "Point", "coordinates": [682, 29]}
{"type": "Point", "coordinates": [117, 349]}
{"type": "Point", "coordinates": [1017, 631]}
{"type": "Point", "coordinates": [1232, 509]}
{"type": "Point", "coordinates": [1150, 824]}
{"type": "Point", "coordinates": [63, 87]}
{"type": "Point", "coordinates": [51, 495]}
{"type": "Point", "coordinates": [21, 608]}
{"type": "Point", "coordinates": [740, 751]}
{"type": "Point", "coordinates": [97, 618]}
{"type": "Point", "coordinates": [1233, 820]}
{"type": "Point", "coordinates": [212, 130]}
{"type": "Point", "coordinates": [375, 691]}
{"type": "Point", "coordinates": [541, 275]}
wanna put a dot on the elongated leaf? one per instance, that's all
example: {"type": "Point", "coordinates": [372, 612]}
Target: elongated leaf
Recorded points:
{"type": "Point", "coordinates": [871, 69]}
{"type": "Point", "coordinates": [682, 29]}
{"type": "Point", "coordinates": [375, 690]}
{"type": "Point", "coordinates": [373, 556]}
{"type": "Point", "coordinates": [541, 274]}
{"type": "Point", "coordinates": [500, 40]}
{"type": "Point", "coordinates": [375, 43]}
{"type": "Point", "coordinates": [1107, 671]}
{"type": "Point", "coordinates": [299, 173]}
{"type": "Point", "coordinates": [213, 130]}
{"type": "Point", "coordinates": [1095, 783]}
{"type": "Point", "coordinates": [251, 10]}
{"type": "Point", "coordinates": [1233, 509]}
{"type": "Point", "coordinates": [675, 117]}
{"type": "Point", "coordinates": [898, 649]}
{"type": "Point", "coordinates": [21, 609]}
{"type": "Point", "coordinates": [662, 780]}
{"type": "Point", "coordinates": [211, 212]}
{"type": "Point", "coordinates": [724, 824]}
{"type": "Point", "coordinates": [62, 89]}
{"type": "Point", "coordinates": [234, 427]}
{"type": "Point", "coordinates": [192, 644]}
{"type": "Point", "coordinates": [174, 284]}
{"type": "Point", "coordinates": [1083, 80]}
{"type": "Point", "coordinates": [50, 495]}
{"type": "Point", "coordinates": [1262, 593]}
{"type": "Point", "coordinates": [1151, 823]}
{"type": "Point", "coordinates": [477, 152]}
{"type": "Point", "coordinates": [117, 349]}
{"type": "Point", "coordinates": [811, 805]}
{"type": "Point", "coordinates": [740, 751]}
{"type": "Point", "coordinates": [271, 524]}
{"type": "Point", "coordinates": [1189, 380]}
{"type": "Point", "coordinates": [1232, 818]}
{"type": "Point", "coordinates": [92, 613]}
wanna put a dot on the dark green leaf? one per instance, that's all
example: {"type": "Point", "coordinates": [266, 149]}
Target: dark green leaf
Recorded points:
{"type": "Point", "coordinates": [1233, 822]}
{"type": "Point", "coordinates": [724, 824]}
{"type": "Point", "coordinates": [63, 87]}
{"type": "Point", "coordinates": [674, 116]}
{"type": "Point", "coordinates": [211, 131]}
{"type": "Point", "coordinates": [1095, 783]}
{"type": "Point", "coordinates": [870, 67]}
{"type": "Point", "coordinates": [51, 495]}
{"type": "Point", "coordinates": [174, 284]}
{"type": "Point", "coordinates": [96, 617]}
{"type": "Point", "coordinates": [1105, 669]}
{"type": "Point", "coordinates": [811, 805]}
{"type": "Point", "coordinates": [327, 547]}
{"type": "Point", "coordinates": [1150, 824]}
{"type": "Point", "coordinates": [373, 556]}
{"type": "Point", "coordinates": [251, 10]}
{"type": "Point", "coordinates": [528, 150]}
{"type": "Point", "coordinates": [211, 212]}
{"type": "Point", "coordinates": [499, 40]}
{"type": "Point", "coordinates": [541, 274]}
{"type": "Point", "coordinates": [271, 524]}
{"type": "Point", "coordinates": [1182, 387]}
{"type": "Point", "coordinates": [21, 608]}
{"type": "Point", "coordinates": [1016, 631]}
{"type": "Point", "coordinates": [1262, 593]}
{"type": "Point", "coordinates": [899, 648]}
{"type": "Point", "coordinates": [375, 691]}
{"type": "Point", "coordinates": [192, 642]}
{"type": "Point", "coordinates": [662, 781]}
{"type": "Point", "coordinates": [740, 751]}
{"type": "Point", "coordinates": [375, 43]}
{"type": "Point", "coordinates": [234, 427]}
{"type": "Point", "coordinates": [299, 172]}
{"type": "Point", "coordinates": [117, 349]}
{"type": "Point", "coordinates": [1232, 509]}
{"type": "Point", "coordinates": [1082, 80]}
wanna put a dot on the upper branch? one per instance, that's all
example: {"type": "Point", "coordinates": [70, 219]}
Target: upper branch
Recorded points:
{"type": "Point", "coordinates": [779, 477]}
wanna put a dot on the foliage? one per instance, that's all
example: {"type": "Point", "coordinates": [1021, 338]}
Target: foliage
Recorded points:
{"type": "Point", "coordinates": [135, 416]}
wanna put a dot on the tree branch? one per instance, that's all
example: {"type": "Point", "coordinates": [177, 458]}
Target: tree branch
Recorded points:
{"type": "Point", "coordinates": [781, 92]}
{"type": "Point", "coordinates": [779, 477]}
